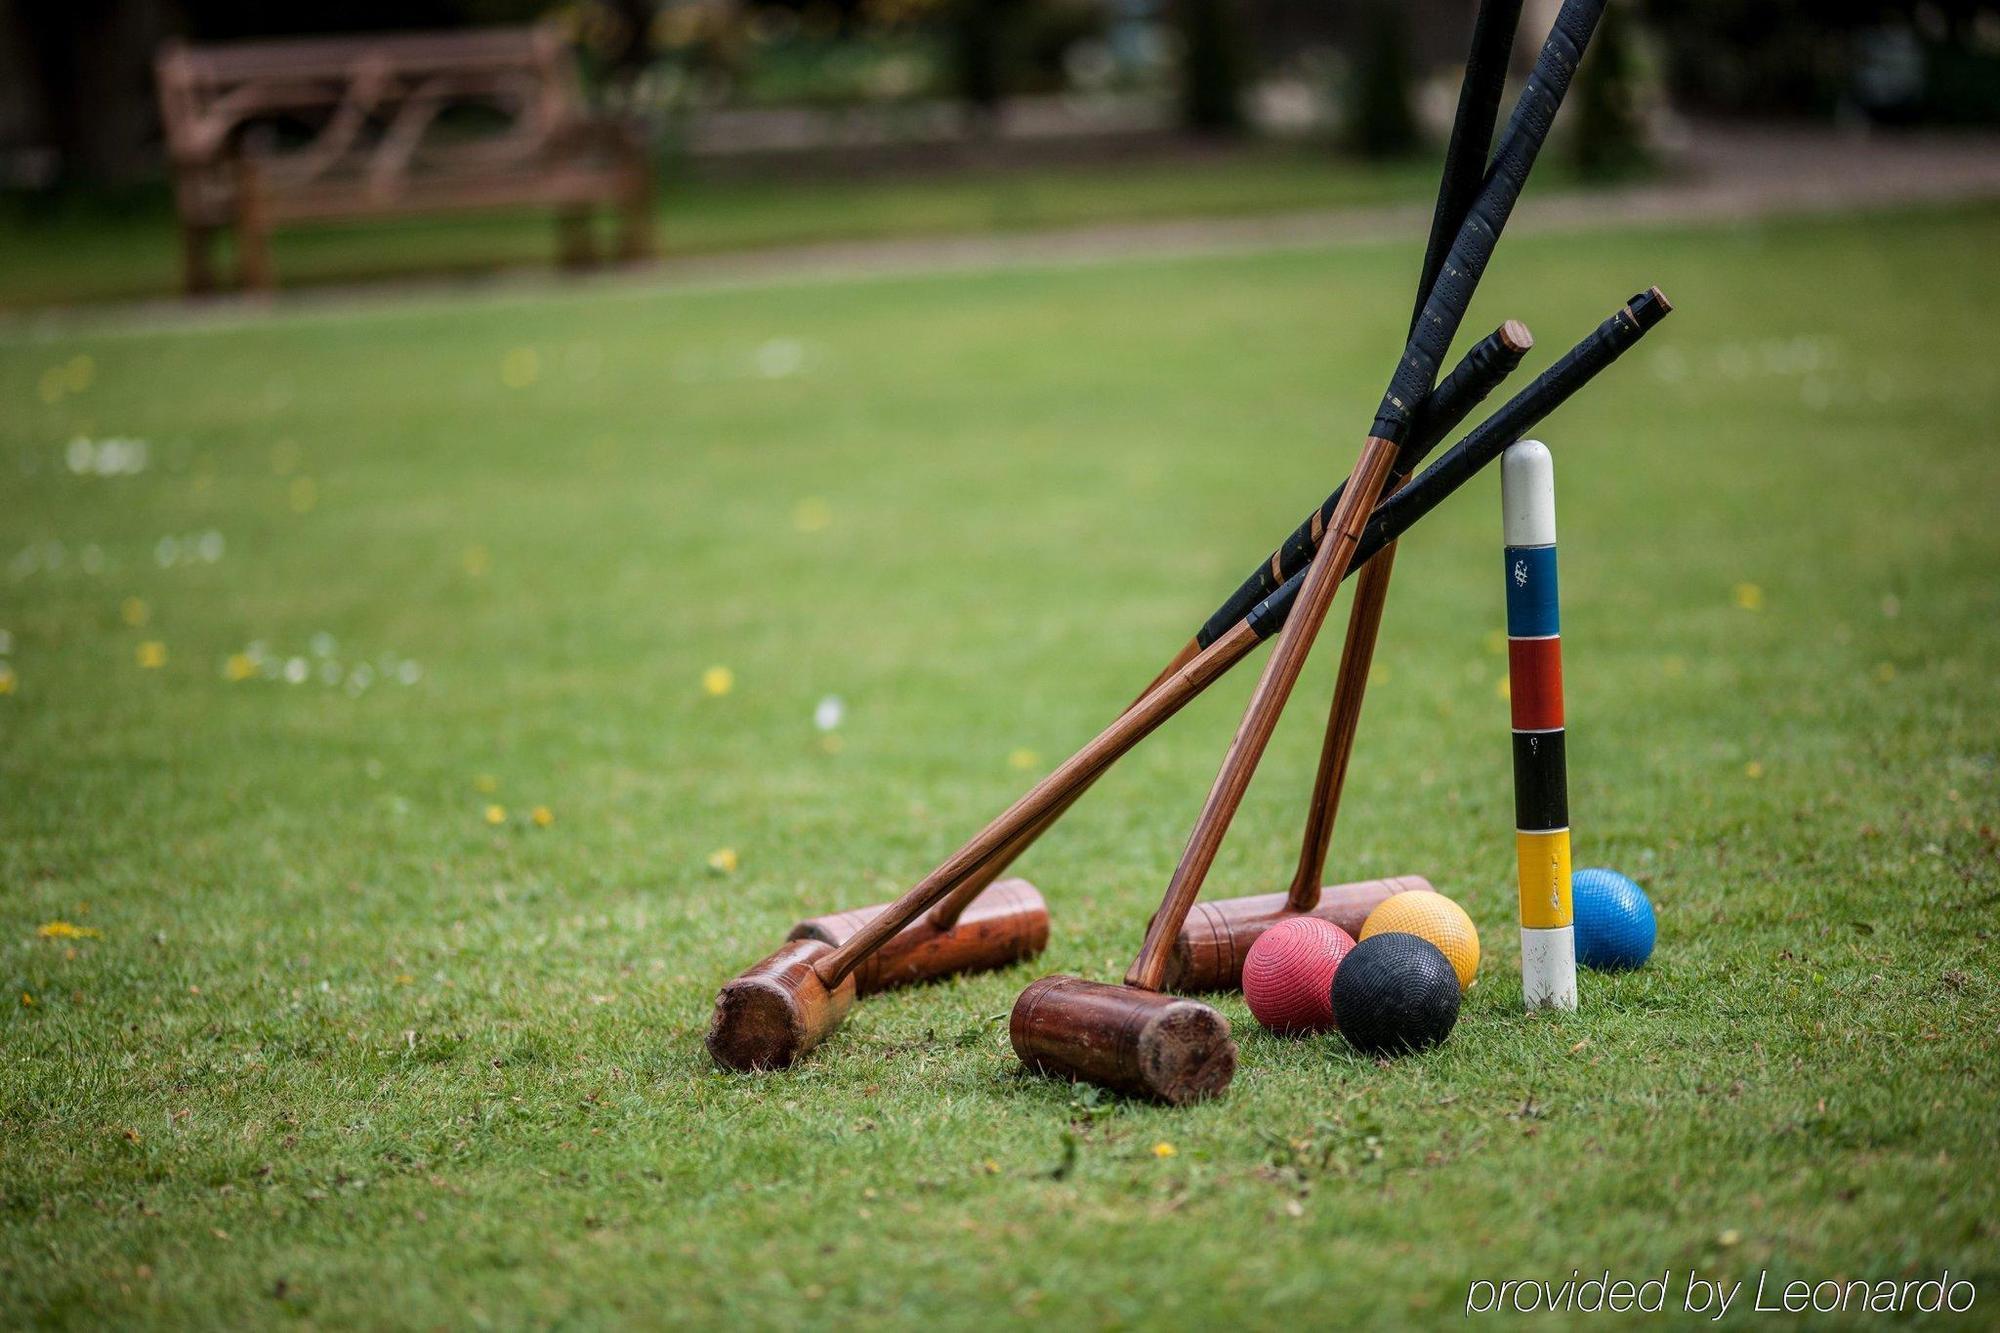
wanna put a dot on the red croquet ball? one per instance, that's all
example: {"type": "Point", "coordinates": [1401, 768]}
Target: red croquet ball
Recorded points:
{"type": "Point", "coordinates": [1288, 974]}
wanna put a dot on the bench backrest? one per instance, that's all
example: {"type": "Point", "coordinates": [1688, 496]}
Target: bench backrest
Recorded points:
{"type": "Point", "coordinates": [361, 108]}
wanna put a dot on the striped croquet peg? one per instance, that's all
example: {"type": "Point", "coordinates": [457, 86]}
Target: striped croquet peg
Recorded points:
{"type": "Point", "coordinates": [1534, 673]}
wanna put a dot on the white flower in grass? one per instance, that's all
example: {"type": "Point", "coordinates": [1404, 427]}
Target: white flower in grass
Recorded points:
{"type": "Point", "coordinates": [829, 712]}
{"type": "Point", "coordinates": [781, 358]}
{"type": "Point", "coordinates": [296, 671]}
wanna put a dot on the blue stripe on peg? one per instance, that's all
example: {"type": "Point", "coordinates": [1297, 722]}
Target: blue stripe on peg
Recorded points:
{"type": "Point", "coordinates": [1532, 605]}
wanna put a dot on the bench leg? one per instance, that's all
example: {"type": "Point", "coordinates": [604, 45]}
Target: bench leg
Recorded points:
{"type": "Point", "coordinates": [254, 265]}
{"type": "Point", "coordinates": [574, 246]}
{"type": "Point", "coordinates": [635, 216]}
{"type": "Point", "coordinates": [197, 260]}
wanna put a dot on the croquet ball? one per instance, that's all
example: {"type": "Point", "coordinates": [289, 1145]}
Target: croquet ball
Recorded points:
{"type": "Point", "coordinates": [1395, 992]}
{"type": "Point", "coordinates": [1288, 974]}
{"type": "Point", "coordinates": [1614, 920]}
{"type": "Point", "coordinates": [1436, 918]}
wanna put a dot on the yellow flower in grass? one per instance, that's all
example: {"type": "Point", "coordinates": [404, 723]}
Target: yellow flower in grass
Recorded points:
{"type": "Point", "coordinates": [64, 930]}
{"type": "Point", "coordinates": [723, 861]}
{"type": "Point", "coordinates": [1749, 597]}
{"type": "Point", "coordinates": [543, 816]}
{"type": "Point", "coordinates": [1504, 688]}
{"type": "Point", "coordinates": [812, 514]}
{"type": "Point", "coordinates": [1023, 759]}
{"type": "Point", "coordinates": [152, 655]}
{"type": "Point", "coordinates": [496, 814]}
{"type": "Point", "coordinates": [1164, 1149]}
{"type": "Point", "coordinates": [718, 681]}
{"type": "Point", "coordinates": [7, 680]}
{"type": "Point", "coordinates": [1753, 769]}
{"type": "Point", "coordinates": [134, 612]}
{"type": "Point", "coordinates": [520, 367]}
{"type": "Point", "coordinates": [240, 666]}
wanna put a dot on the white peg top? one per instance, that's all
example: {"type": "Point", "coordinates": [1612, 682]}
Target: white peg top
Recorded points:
{"type": "Point", "coordinates": [1528, 494]}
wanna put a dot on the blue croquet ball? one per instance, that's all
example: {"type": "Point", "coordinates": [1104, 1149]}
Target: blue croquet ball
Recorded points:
{"type": "Point", "coordinates": [1614, 920]}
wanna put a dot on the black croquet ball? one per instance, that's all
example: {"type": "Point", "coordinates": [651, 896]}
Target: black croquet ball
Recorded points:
{"type": "Point", "coordinates": [1395, 993]}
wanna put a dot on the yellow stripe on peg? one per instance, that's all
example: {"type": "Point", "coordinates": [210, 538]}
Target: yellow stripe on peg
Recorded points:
{"type": "Point", "coordinates": [1544, 864]}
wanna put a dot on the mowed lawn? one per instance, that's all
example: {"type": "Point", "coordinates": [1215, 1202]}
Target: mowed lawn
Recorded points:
{"type": "Point", "coordinates": [343, 1032]}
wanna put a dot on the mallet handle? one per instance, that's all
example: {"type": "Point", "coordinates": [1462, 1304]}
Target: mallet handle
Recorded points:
{"type": "Point", "coordinates": [1274, 687]}
{"type": "Point", "coordinates": [945, 915]}
{"type": "Point", "coordinates": [1357, 654]}
{"type": "Point", "coordinates": [1490, 361]}
{"type": "Point", "coordinates": [1479, 94]}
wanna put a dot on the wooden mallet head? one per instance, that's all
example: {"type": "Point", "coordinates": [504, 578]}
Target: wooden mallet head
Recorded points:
{"type": "Point", "coordinates": [1132, 1041]}
{"type": "Point", "coordinates": [777, 1010]}
{"type": "Point", "coordinates": [1208, 952]}
{"type": "Point", "coordinates": [1007, 922]}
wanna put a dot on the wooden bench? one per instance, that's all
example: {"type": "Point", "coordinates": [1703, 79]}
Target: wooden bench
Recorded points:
{"type": "Point", "coordinates": [266, 133]}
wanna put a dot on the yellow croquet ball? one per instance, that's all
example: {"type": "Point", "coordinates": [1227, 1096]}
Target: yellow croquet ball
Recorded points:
{"type": "Point", "coordinates": [1434, 917]}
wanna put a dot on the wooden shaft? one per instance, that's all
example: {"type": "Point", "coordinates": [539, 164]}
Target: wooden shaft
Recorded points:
{"type": "Point", "coordinates": [1131, 727]}
{"type": "Point", "coordinates": [1357, 654]}
{"type": "Point", "coordinates": [1274, 687]}
{"type": "Point", "coordinates": [946, 913]}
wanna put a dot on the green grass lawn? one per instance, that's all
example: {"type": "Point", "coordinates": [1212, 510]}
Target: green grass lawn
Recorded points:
{"type": "Point", "coordinates": [344, 1044]}
{"type": "Point", "coordinates": [82, 255]}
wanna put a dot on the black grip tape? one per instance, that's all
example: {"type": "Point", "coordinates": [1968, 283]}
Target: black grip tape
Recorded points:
{"type": "Point", "coordinates": [1475, 376]}
{"type": "Point", "coordinates": [1527, 129]}
{"type": "Point", "coordinates": [1479, 94]}
{"type": "Point", "coordinates": [1458, 464]}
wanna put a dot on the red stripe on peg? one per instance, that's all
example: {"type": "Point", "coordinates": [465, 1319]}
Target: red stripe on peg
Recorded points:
{"type": "Point", "coordinates": [1535, 683]}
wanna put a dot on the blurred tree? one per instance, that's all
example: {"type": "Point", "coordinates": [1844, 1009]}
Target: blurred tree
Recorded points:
{"type": "Point", "coordinates": [1212, 74]}
{"type": "Point", "coordinates": [1894, 59]}
{"type": "Point", "coordinates": [80, 84]}
{"type": "Point", "coordinates": [979, 58]}
{"type": "Point", "coordinates": [1608, 136]}
{"type": "Point", "coordinates": [1380, 119]}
